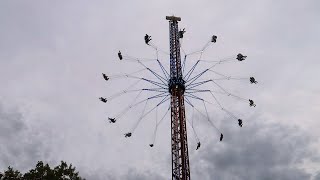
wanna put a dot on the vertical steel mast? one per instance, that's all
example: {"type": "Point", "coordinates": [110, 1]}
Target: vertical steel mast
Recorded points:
{"type": "Point", "coordinates": [179, 143]}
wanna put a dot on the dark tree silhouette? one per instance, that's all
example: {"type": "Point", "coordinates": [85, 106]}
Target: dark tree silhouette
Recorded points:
{"type": "Point", "coordinates": [11, 174]}
{"type": "Point", "coordinates": [44, 172]}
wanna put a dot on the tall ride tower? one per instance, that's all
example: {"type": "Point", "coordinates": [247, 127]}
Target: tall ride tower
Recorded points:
{"type": "Point", "coordinates": [179, 87]}
{"type": "Point", "coordinates": [179, 143]}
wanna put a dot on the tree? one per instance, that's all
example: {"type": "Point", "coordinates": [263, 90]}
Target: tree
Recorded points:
{"type": "Point", "coordinates": [43, 172]}
{"type": "Point", "coordinates": [11, 174]}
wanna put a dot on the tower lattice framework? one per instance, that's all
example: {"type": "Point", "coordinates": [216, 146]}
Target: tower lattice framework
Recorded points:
{"type": "Point", "coordinates": [179, 143]}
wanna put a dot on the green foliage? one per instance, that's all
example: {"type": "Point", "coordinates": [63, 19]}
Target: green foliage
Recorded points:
{"type": "Point", "coordinates": [43, 172]}
{"type": "Point", "coordinates": [11, 174]}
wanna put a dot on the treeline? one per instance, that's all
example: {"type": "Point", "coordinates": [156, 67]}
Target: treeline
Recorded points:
{"type": "Point", "coordinates": [42, 171]}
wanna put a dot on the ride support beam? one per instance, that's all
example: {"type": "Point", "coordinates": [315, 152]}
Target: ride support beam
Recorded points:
{"type": "Point", "coordinates": [176, 84]}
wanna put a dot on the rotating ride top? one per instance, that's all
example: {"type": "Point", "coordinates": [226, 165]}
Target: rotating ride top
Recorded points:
{"type": "Point", "coordinates": [178, 86]}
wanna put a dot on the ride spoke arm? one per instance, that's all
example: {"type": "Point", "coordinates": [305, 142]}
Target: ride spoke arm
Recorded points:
{"type": "Point", "coordinates": [133, 104]}
{"type": "Point", "coordinates": [187, 76]}
{"type": "Point", "coordinates": [157, 89]}
{"type": "Point", "coordinates": [196, 77]}
{"type": "Point", "coordinates": [161, 85]}
{"type": "Point", "coordinates": [166, 74]}
{"type": "Point", "coordinates": [197, 90]}
{"type": "Point", "coordinates": [193, 96]}
{"type": "Point", "coordinates": [190, 86]}
{"type": "Point", "coordinates": [154, 73]}
{"type": "Point", "coordinates": [193, 91]}
{"type": "Point", "coordinates": [162, 79]}
{"type": "Point", "coordinates": [209, 69]}
{"type": "Point", "coordinates": [128, 90]}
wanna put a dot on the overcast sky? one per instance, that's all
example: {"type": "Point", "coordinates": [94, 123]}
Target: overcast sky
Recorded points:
{"type": "Point", "coordinates": [52, 54]}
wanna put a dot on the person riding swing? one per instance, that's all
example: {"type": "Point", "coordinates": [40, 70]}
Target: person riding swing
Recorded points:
{"type": "Point", "coordinates": [147, 39]}
{"type": "Point", "coordinates": [120, 55]}
{"type": "Point", "coordinates": [198, 145]}
{"type": "Point", "coordinates": [127, 134]}
{"type": "Point", "coordinates": [103, 99]}
{"type": "Point", "coordinates": [112, 120]}
{"type": "Point", "coordinates": [251, 103]}
{"type": "Point", "coordinates": [105, 77]}
{"type": "Point", "coordinates": [240, 122]}
{"type": "Point", "coordinates": [253, 80]}
{"type": "Point", "coordinates": [241, 57]}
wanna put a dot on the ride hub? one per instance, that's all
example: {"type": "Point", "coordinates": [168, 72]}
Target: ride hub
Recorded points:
{"type": "Point", "coordinates": [177, 83]}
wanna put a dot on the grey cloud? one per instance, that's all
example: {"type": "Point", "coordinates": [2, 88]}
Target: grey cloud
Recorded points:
{"type": "Point", "coordinates": [134, 174]}
{"type": "Point", "coordinates": [259, 150]}
{"type": "Point", "coordinates": [20, 146]}
{"type": "Point", "coordinates": [130, 174]}
{"type": "Point", "coordinates": [317, 177]}
{"type": "Point", "coordinates": [52, 54]}
{"type": "Point", "coordinates": [10, 123]}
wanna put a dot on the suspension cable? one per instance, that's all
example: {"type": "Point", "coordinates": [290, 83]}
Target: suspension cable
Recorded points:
{"type": "Point", "coordinates": [155, 128]}
{"type": "Point", "coordinates": [230, 94]}
{"type": "Point", "coordinates": [228, 77]}
{"type": "Point", "coordinates": [145, 114]}
{"type": "Point", "coordinates": [132, 58]}
{"type": "Point", "coordinates": [123, 112]}
{"type": "Point", "coordinates": [207, 117]}
{"type": "Point", "coordinates": [132, 104]}
{"type": "Point", "coordinates": [164, 115]}
{"type": "Point", "coordinates": [154, 73]}
{"type": "Point", "coordinates": [191, 124]}
{"type": "Point", "coordinates": [151, 44]}
{"type": "Point", "coordinates": [124, 91]}
{"type": "Point", "coordinates": [222, 108]}
{"type": "Point", "coordinates": [222, 60]}
{"type": "Point", "coordinates": [116, 76]}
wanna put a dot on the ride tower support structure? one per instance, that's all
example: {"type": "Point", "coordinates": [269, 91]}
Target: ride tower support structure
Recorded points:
{"type": "Point", "coordinates": [179, 143]}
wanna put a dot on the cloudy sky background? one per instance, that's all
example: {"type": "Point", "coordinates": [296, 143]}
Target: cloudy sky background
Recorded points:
{"type": "Point", "coordinates": [52, 54]}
